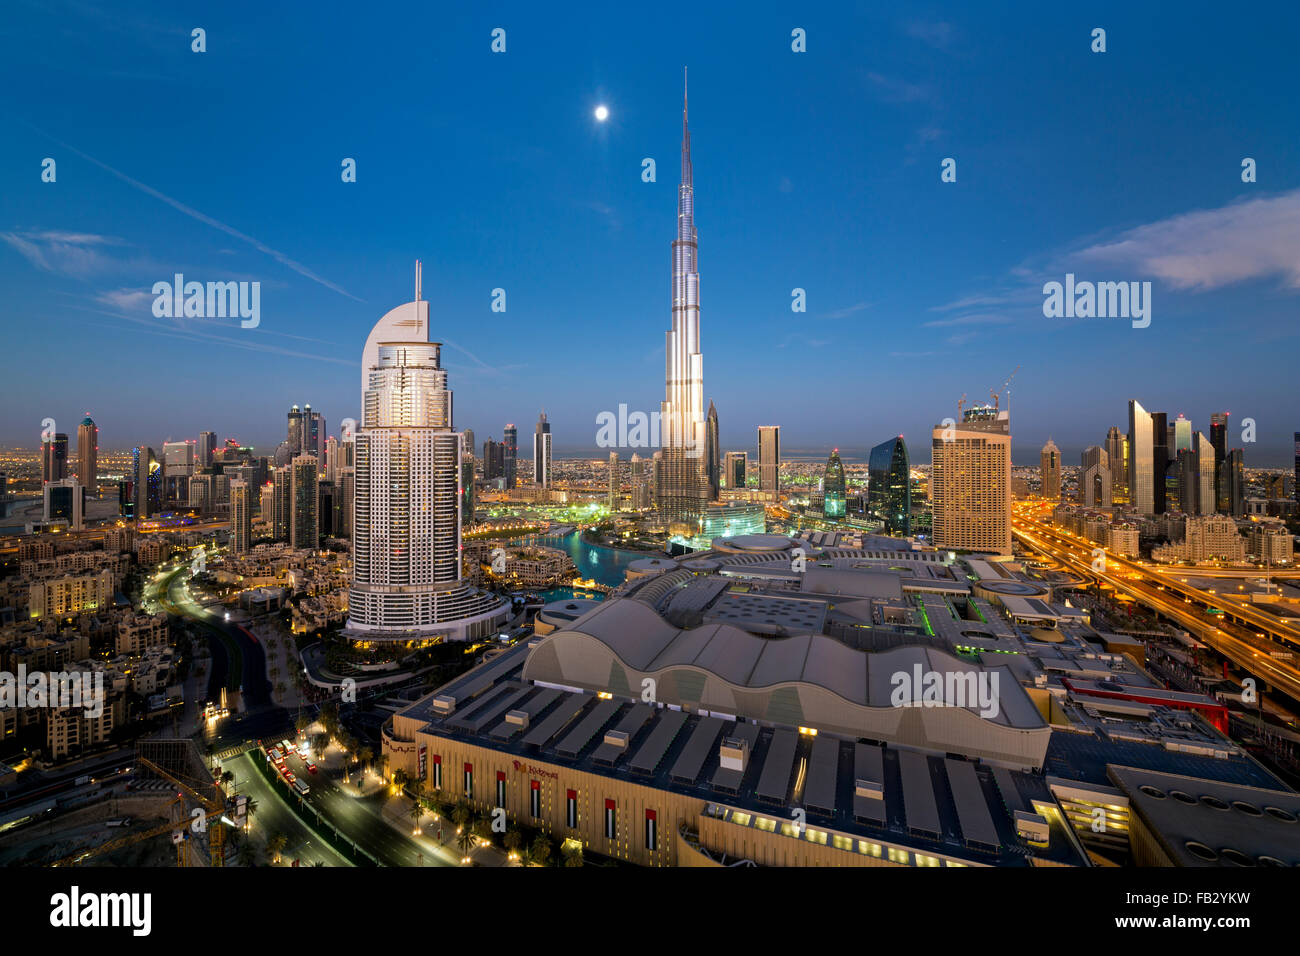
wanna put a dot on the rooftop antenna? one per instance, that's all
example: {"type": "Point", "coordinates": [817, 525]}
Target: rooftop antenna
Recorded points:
{"type": "Point", "coordinates": [417, 280]}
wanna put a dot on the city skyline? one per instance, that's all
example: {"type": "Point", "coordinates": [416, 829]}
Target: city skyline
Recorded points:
{"type": "Point", "coordinates": [855, 234]}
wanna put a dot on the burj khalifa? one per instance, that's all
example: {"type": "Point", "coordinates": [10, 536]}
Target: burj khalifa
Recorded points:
{"type": "Point", "coordinates": [683, 490]}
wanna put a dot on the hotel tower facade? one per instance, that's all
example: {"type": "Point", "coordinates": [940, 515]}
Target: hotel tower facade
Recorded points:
{"type": "Point", "coordinates": [406, 546]}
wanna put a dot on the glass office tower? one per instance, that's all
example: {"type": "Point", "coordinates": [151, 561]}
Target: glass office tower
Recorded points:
{"type": "Point", "coordinates": [889, 493]}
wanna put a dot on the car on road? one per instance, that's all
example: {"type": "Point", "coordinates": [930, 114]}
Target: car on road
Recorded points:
{"type": "Point", "coordinates": [311, 768]}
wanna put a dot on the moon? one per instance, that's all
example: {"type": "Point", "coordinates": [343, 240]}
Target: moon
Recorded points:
{"type": "Point", "coordinates": [602, 113]}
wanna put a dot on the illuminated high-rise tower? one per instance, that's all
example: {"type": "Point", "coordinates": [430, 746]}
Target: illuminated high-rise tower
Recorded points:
{"type": "Point", "coordinates": [406, 530]}
{"type": "Point", "coordinates": [833, 487]}
{"type": "Point", "coordinates": [88, 455]}
{"type": "Point", "coordinates": [683, 485]}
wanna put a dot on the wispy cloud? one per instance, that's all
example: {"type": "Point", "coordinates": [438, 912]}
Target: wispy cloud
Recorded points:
{"type": "Point", "coordinates": [1211, 248]}
{"type": "Point", "coordinates": [848, 310]}
{"type": "Point", "coordinates": [70, 253]}
{"type": "Point", "coordinates": [257, 244]}
{"type": "Point", "coordinates": [892, 89]}
{"type": "Point", "coordinates": [975, 318]}
{"type": "Point", "coordinates": [938, 34]}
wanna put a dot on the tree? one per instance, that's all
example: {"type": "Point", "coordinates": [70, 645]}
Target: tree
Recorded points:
{"type": "Point", "coordinates": [573, 856]}
{"type": "Point", "coordinates": [465, 840]}
{"type": "Point", "coordinates": [460, 814]}
{"type": "Point", "coordinates": [367, 756]}
{"type": "Point", "coordinates": [400, 778]}
{"type": "Point", "coordinates": [415, 813]}
{"type": "Point", "coordinates": [247, 854]}
{"type": "Point", "coordinates": [227, 778]}
{"type": "Point", "coordinates": [513, 839]}
{"type": "Point", "coordinates": [541, 850]}
{"type": "Point", "coordinates": [276, 844]}
{"type": "Point", "coordinates": [303, 721]}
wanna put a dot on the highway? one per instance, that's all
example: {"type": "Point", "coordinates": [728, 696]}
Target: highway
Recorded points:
{"type": "Point", "coordinates": [1252, 650]}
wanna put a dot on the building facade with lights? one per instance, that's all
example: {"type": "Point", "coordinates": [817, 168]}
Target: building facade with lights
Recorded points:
{"type": "Point", "coordinates": [407, 507]}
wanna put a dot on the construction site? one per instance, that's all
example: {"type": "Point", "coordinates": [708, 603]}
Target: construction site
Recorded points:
{"type": "Point", "coordinates": [168, 810]}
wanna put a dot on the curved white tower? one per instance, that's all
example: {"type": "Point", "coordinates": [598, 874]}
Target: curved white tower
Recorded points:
{"type": "Point", "coordinates": [406, 544]}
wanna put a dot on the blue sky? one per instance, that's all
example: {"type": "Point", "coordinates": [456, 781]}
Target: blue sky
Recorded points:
{"type": "Point", "coordinates": [817, 170]}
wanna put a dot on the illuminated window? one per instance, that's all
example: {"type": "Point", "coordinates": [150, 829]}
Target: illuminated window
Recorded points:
{"type": "Point", "coordinates": [763, 823]}
{"type": "Point", "coordinates": [842, 842]}
{"type": "Point", "coordinates": [816, 836]}
{"type": "Point", "coordinates": [897, 856]}
{"type": "Point", "coordinates": [869, 849]}
{"type": "Point", "coordinates": [923, 860]}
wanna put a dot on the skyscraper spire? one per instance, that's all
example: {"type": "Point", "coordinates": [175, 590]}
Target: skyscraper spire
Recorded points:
{"type": "Point", "coordinates": [686, 137]}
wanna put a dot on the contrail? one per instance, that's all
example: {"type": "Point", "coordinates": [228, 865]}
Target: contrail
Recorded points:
{"type": "Point", "coordinates": [195, 214]}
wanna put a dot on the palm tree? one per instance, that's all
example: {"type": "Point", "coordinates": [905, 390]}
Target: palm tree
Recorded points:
{"type": "Point", "coordinates": [276, 844]}
{"type": "Point", "coordinates": [415, 813]}
{"type": "Point", "coordinates": [541, 850]}
{"type": "Point", "coordinates": [465, 840]}
{"type": "Point", "coordinates": [367, 757]}
{"type": "Point", "coordinates": [247, 854]}
{"type": "Point", "coordinates": [227, 778]}
{"type": "Point", "coordinates": [250, 808]}
{"type": "Point", "coordinates": [460, 813]}
{"type": "Point", "coordinates": [401, 778]}
{"type": "Point", "coordinates": [573, 857]}
{"type": "Point", "coordinates": [512, 841]}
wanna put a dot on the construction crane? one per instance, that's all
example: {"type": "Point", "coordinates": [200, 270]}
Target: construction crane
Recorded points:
{"type": "Point", "coordinates": [1006, 387]}
{"type": "Point", "coordinates": [214, 808]}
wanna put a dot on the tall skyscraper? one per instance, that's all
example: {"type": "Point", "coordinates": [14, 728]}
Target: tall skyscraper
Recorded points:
{"type": "Point", "coordinates": [510, 439]}
{"type": "Point", "coordinates": [833, 488]}
{"type": "Point", "coordinates": [54, 457]}
{"type": "Point", "coordinates": [712, 452]}
{"type": "Point", "coordinates": [147, 477]}
{"type": "Point", "coordinates": [1117, 453]}
{"type": "Point", "coordinates": [493, 460]}
{"type": "Point", "coordinates": [1049, 460]}
{"type": "Point", "coordinates": [542, 452]}
{"type": "Point", "coordinates": [88, 455]}
{"type": "Point", "coordinates": [297, 427]}
{"type": "Point", "coordinates": [1219, 439]}
{"type": "Point", "coordinates": [467, 443]}
{"type": "Point", "coordinates": [889, 489]}
{"type": "Point", "coordinates": [1234, 481]}
{"type": "Point", "coordinates": [1141, 467]}
{"type": "Point", "coordinates": [613, 481]}
{"type": "Point", "coordinates": [1160, 461]}
{"type": "Point", "coordinates": [769, 458]}
{"type": "Point", "coordinates": [207, 448]}
{"type": "Point", "coordinates": [1182, 435]}
{"type": "Point", "coordinates": [733, 472]}
{"type": "Point", "coordinates": [281, 502]}
{"type": "Point", "coordinates": [331, 458]}
{"type": "Point", "coordinates": [317, 433]}
{"type": "Point", "coordinates": [970, 482]}
{"type": "Point", "coordinates": [241, 516]}
{"type": "Point", "coordinates": [1206, 503]}
{"type": "Point", "coordinates": [1095, 478]}
{"type": "Point", "coordinates": [682, 485]}
{"type": "Point", "coordinates": [304, 518]}
{"type": "Point", "coordinates": [406, 566]}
